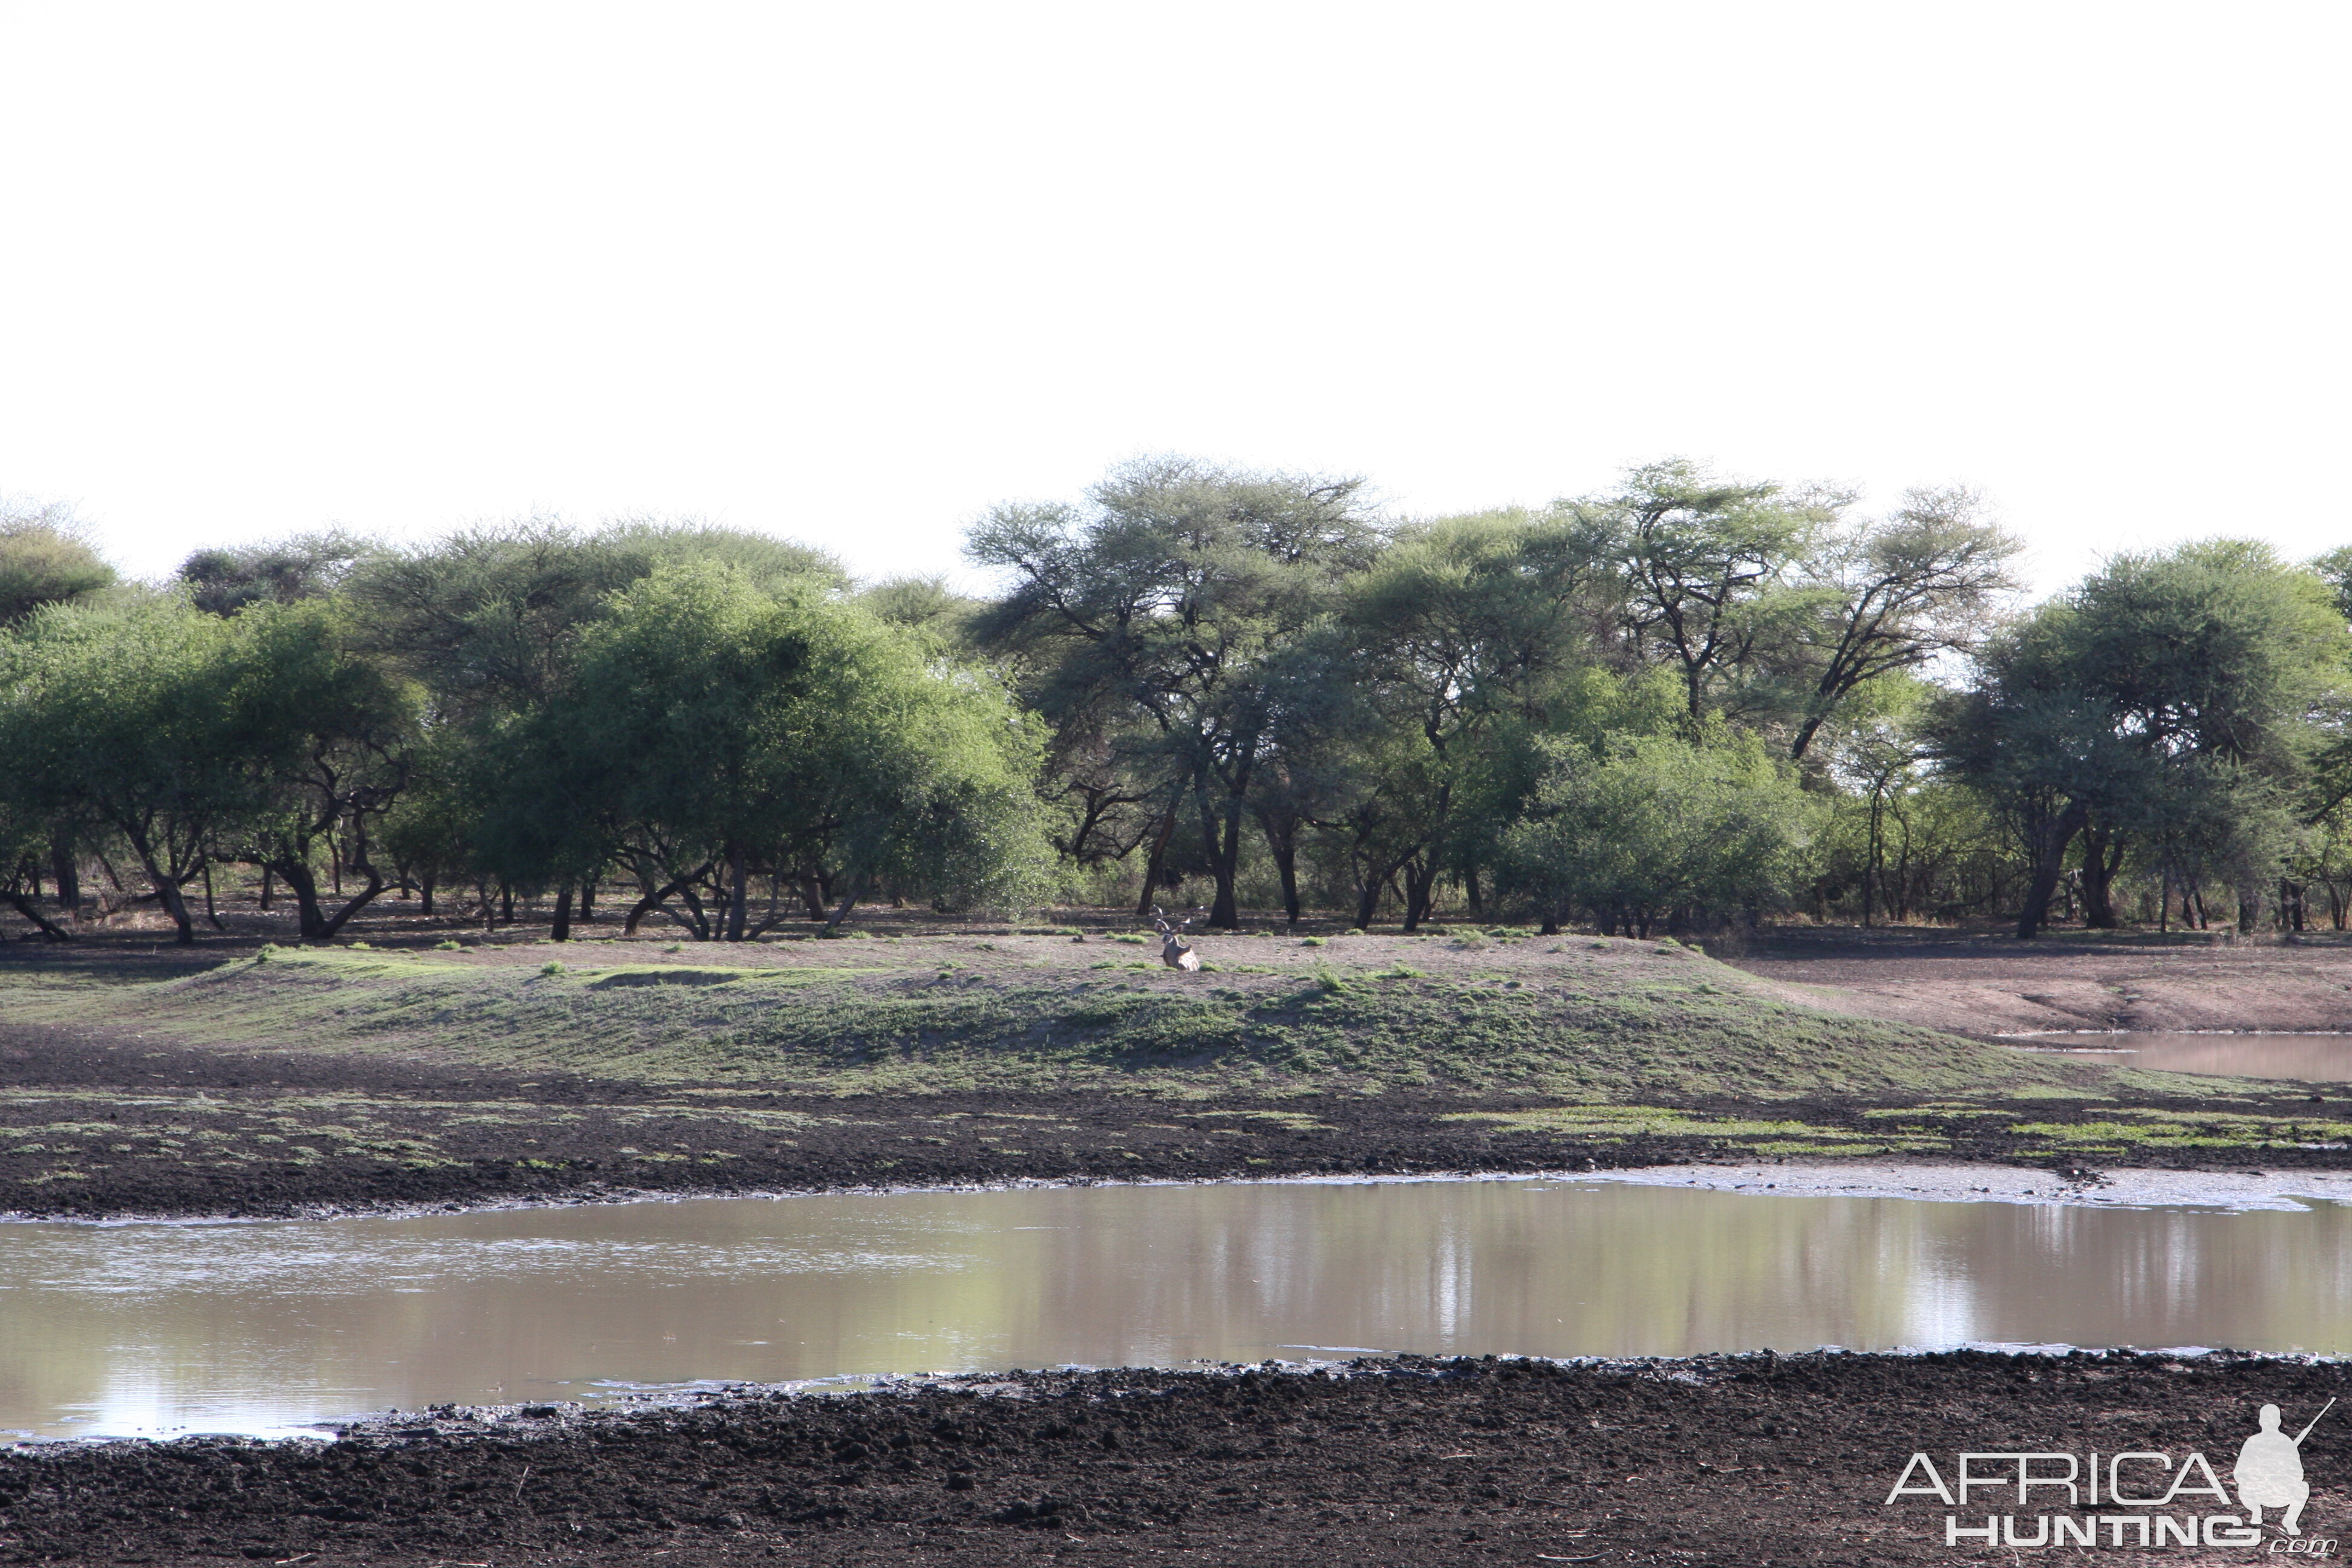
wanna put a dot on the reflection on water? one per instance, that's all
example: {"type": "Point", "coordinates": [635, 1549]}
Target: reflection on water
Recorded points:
{"type": "Point", "coordinates": [158, 1328]}
{"type": "Point", "coordinates": [2315, 1058]}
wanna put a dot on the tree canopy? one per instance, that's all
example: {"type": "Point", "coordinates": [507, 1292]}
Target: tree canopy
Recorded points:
{"type": "Point", "coordinates": [1684, 700]}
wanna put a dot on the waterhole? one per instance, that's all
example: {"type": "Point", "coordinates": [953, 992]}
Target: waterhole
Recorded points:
{"type": "Point", "coordinates": [2314, 1058]}
{"type": "Point", "coordinates": [150, 1328]}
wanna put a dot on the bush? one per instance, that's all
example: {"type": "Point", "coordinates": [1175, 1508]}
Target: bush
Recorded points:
{"type": "Point", "coordinates": [1656, 828]}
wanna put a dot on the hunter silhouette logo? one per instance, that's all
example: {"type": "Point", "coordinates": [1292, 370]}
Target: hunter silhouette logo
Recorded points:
{"type": "Point", "coordinates": [2139, 1498]}
{"type": "Point", "coordinates": [2268, 1471]}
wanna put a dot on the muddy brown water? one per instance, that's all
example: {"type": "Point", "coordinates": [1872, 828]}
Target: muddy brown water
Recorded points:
{"type": "Point", "coordinates": [2311, 1058]}
{"type": "Point", "coordinates": [156, 1328]}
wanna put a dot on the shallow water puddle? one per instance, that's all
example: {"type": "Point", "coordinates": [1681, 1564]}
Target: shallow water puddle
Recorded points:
{"type": "Point", "coordinates": [2312, 1059]}
{"type": "Point", "coordinates": [156, 1328]}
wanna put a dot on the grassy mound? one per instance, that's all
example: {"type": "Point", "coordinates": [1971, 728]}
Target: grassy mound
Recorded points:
{"type": "Point", "coordinates": [1600, 1022]}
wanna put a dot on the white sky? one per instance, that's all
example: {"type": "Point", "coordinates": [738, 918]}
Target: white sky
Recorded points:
{"type": "Point", "coordinates": [852, 272]}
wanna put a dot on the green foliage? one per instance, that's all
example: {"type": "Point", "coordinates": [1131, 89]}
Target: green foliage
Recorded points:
{"type": "Point", "coordinates": [1707, 568]}
{"type": "Point", "coordinates": [224, 580]}
{"type": "Point", "coordinates": [711, 725]}
{"type": "Point", "coordinates": [327, 736]}
{"type": "Point", "coordinates": [195, 738]}
{"type": "Point", "coordinates": [926, 606]}
{"type": "Point", "coordinates": [2174, 703]}
{"type": "Point", "coordinates": [45, 559]}
{"type": "Point", "coordinates": [492, 618]}
{"type": "Point", "coordinates": [1197, 674]}
{"type": "Point", "coordinates": [1647, 828]}
{"type": "Point", "coordinates": [126, 714]}
{"type": "Point", "coordinates": [1163, 624]}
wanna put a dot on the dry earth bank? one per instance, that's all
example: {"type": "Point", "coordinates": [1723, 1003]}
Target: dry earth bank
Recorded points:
{"type": "Point", "coordinates": [1750, 1461]}
{"type": "Point", "coordinates": [1985, 984]}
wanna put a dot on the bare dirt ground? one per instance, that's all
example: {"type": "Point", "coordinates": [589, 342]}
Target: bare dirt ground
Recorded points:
{"type": "Point", "coordinates": [1986, 983]}
{"type": "Point", "coordinates": [1746, 1460]}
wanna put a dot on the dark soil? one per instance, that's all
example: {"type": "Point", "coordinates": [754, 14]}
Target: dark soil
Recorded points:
{"type": "Point", "coordinates": [1747, 1460]}
{"type": "Point", "coordinates": [591, 1139]}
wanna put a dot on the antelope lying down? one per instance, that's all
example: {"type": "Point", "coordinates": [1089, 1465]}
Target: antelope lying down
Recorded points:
{"type": "Point", "coordinates": [1174, 951]}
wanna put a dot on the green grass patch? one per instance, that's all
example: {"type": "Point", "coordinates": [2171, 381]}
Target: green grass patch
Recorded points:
{"type": "Point", "coordinates": [1687, 1032]}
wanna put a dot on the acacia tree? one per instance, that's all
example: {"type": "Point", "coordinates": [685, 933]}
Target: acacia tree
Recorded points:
{"type": "Point", "coordinates": [47, 558]}
{"type": "Point", "coordinates": [1706, 570]}
{"type": "Point", "coordinates": [327, 735]}
{"type": "Point", "coordinates": [1465, 636]}
{"type": "Point", "coordinates": [119, 716]}
{"type": "Point", "coordinates": [714, 732]}
{"type": "Point", "coordinates": [2168, 697]}
{"type": "Point", "coordinates": [490, 622]}
{"type": "Point", "coordinates": [1895, 594]}
{"type": "Point", "coordinates": [1176, 590]}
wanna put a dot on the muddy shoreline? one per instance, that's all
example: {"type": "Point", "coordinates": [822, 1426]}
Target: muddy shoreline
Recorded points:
{"type": "Point", "coordinates": [1745, 1459]}
{"type": "Point", "coordinates": [446, 1138]}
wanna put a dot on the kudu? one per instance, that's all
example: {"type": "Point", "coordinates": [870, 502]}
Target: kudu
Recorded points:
{"type": "Point", "coordinates": [1174, 951]}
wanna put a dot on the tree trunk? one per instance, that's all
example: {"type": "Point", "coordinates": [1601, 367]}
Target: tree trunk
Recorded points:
{"type": "Point", "coordinates": [1367, 902]}
{"type": "Point", "coordinates": [738, 892]}
{"type": "Point", "coordinates": [697, 920]}
{"type": "Point", "coordinates": [308, 922]}
{"type": "Point", "coordinates": [425, 888]}
{"type": "Point", "coordinates": [26, 907]}
{"type": "Point", "coordinates": [644, 906]}
{"type": "Point", "coordinates": [2102, 856]}
{"type": "Point", "coordinates": [1420, 882]}
{"type": "Point", "coordinates": [1869, 854]}
{"type": "Point", "coordinates": [167, 890]}
{"type": "Point", "coordinates": [1281, 842]}
{"type": "Point", "coordinates": [1220, 836]}
{"type": "Point", "coordinates": [1152, 866]}
{"type": "Point", "coordinates": [269, 877]}
{"type": "Point", "coordinates": [854, 884]}
{"type": "Point", "coordinates": [560, 929]}
{"type": "Point", "coordinates": [2250, 913]}
{"type": "Point", "coordinates": [1227, 914]}
{"type": "Point", "coordinates": [2049, 850]}
{"type": "Point", "coordinates": [311, 919]}
{"type": "Point", "coordinates": [64, 869]}
{"type": "Point", "coordinates": [588, 898]}
{"type": "Point", "coordinates": [1805, 733]}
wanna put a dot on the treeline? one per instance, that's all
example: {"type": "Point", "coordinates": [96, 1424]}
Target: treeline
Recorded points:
{"type": "Point", "coordinates": [1683, 701]}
